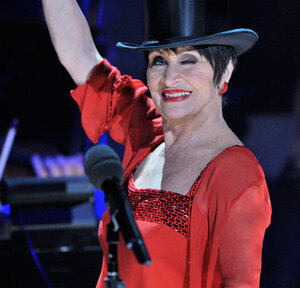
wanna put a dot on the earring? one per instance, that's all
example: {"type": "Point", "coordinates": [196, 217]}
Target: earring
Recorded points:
{"type": "Point", "coordinates": [224, 88]}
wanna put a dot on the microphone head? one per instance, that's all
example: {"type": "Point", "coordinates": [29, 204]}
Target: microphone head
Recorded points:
{"type": "Point", "coordinates": [102, 163]}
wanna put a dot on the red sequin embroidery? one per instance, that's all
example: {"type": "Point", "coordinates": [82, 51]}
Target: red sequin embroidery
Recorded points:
{"type": "Point", "coordinates": [162, 207]}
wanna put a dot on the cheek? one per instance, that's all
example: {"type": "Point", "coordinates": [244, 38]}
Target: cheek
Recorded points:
{"type": "Point", "coordinates": [152, 81]}
{"type": "Point", "coordinates": [202, 75]}
{"type": "Point", "coordinates": [200, 81]}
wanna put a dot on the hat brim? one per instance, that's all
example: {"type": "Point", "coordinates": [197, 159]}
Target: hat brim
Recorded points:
{"type": "Point", "coordinates": [240, 39]}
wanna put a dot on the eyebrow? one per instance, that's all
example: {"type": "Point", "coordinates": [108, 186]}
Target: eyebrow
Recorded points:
{"type": "Point", "coordinates": [178, 50]}
{"type": "Point", "coordinates": [159, 51]}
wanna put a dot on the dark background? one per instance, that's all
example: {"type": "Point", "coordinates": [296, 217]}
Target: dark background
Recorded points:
{"type": "Point", "coordinates": [35, 88]}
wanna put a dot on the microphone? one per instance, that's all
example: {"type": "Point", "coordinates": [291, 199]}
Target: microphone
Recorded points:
{"type": "Point", "coordinates": [105, 171]}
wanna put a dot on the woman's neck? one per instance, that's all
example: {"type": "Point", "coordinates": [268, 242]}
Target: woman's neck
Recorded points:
{"type": "Point", "coordinates": [198, 130]}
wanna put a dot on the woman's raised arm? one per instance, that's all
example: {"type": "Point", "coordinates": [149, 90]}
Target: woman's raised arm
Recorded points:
{"type": "Point", "coordinates": [71, 38]}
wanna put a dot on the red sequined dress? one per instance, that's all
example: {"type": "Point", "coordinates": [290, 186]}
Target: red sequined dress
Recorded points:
{"type": "Point", "coordinates": [163, 219]}
{"type": "Point", "coordinates": [211, 237]}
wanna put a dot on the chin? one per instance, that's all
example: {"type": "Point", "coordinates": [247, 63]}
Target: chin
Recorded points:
{"type": "Point", "coordinates": [175, 115]}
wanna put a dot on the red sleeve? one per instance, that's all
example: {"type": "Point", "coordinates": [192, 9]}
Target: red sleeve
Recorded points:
{"type": "Point", "coordinates": [240, 214]}
{"type": "Point", "coordinates": [241, 239]}
{"type": "Point", "coordinates": [112, 102]}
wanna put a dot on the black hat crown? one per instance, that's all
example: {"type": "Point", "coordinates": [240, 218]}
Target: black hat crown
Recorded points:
{"type": "Point", "coordinates": [172, 23]}
{"type": "Point", "coordinates": [180, 18]}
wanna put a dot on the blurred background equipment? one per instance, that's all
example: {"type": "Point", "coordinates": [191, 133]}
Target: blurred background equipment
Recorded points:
{"type": "Point", "coordinates": [8, 143]}
{"type": "Point", "coordinates": [46, 218]}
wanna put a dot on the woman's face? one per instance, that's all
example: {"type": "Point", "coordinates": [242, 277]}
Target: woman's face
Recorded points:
{"type": "Point", "coordinates": [181, 84]}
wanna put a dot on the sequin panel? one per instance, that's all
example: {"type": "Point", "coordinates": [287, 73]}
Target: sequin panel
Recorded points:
{"type": "Point", "coordinates": [162, 207]}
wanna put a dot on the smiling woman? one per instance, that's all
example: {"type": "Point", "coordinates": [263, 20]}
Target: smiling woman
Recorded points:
{"type": "Point", "coordinates": [199, 196]}
{"type": "Point", "coordinates": [184, 74]}
{"type": "Point", "coordinates": [217, 56]}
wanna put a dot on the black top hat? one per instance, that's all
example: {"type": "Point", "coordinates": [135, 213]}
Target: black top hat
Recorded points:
{"type": "Point", "coordinates": [172, 23]}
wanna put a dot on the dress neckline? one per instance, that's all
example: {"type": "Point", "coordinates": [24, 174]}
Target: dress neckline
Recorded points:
{"type": "Point", "coordinates": [195, 184]}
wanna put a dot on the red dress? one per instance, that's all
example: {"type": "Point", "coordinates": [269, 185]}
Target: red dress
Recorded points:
{"type": "Point", "coordinates": [219, 243]}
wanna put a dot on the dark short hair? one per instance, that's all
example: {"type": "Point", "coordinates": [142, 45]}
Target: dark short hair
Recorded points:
{"type": "Point", "coordinates": [217, 56]}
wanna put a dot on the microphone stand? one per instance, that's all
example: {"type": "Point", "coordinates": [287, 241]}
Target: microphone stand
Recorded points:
{"type": "Point", "coordinates": [105, 171]}
{"type": "Point", "coordinates": [121, 220]}
{"type": "Point", "coordinates": [113, 238]}
{"type": "Point", "coordinates": [113, 280]}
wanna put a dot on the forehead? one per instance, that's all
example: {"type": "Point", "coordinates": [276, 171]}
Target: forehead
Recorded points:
{"type": "Point", "coordinates": [176, 50]}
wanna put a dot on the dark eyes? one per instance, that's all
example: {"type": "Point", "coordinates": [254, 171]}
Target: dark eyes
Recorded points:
{"type": "Point", "coordinates": [160, 61]}
{"type": "Point", "coordinates": [188, 61]}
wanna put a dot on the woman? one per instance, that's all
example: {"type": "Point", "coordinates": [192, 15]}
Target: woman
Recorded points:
{"type": "Point", "coordinates": [199, 196]}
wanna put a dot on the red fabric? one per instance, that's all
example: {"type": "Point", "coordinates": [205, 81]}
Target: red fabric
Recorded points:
{"type": "Point", "coordinates": [162, 207]}
{"type": "Point", "coordinates": [230, 213]}
{"type": "Point", "coordinates": [231, 208]}
{"type": "Point", "coordinates": [115, 103]}
{"type": "Point", "coordinates": [168, 261]}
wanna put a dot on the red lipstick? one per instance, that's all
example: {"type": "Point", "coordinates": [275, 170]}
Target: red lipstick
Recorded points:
{"type": "Point", "coordinates": [175, 95]}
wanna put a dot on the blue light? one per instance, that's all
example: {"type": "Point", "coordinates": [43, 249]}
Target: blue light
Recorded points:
{"type": "Point", "coordinates": [99, 206]}
{"type": "Point", "coordinates": [5, 209]}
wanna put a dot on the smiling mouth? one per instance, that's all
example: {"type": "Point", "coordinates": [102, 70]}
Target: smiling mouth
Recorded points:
{"type": "Point", "coordinates": [175, 95]}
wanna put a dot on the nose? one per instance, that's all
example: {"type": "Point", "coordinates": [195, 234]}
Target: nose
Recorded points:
{"type": "Point", "coordinates": [171, 75]}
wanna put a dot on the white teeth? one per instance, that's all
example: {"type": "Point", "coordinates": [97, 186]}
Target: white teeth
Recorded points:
{"type": "Point", "coordinates": [177, 94]}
